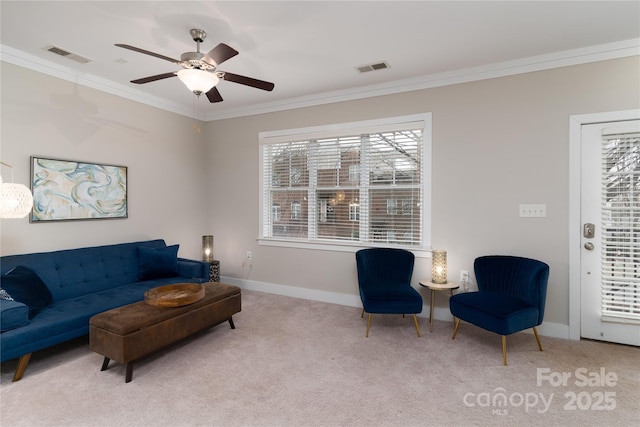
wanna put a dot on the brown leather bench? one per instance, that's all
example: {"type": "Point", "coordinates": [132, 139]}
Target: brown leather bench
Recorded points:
{"type": "Point", "coordinates": [130, 332]}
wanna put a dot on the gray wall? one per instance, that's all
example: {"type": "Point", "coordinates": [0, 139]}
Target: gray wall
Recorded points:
{"type": "Point", "coordinates": [50, 117]}
{"type": "Point", "coordinates": [496, 144]}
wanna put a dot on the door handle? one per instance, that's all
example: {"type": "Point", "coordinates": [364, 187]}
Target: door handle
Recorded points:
{"type": "Point", "coordinates": [588, 246]}
{"type": "Point", "coordinates": [589, 230]}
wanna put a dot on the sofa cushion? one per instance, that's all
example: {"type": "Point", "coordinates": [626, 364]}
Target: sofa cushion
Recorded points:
{"type": "Point", "coordinates": [26, 287]}
{"type": "Point", "coordinates": [13, 314]}
{"type": "Point", "coordinates": [154, 263]}
{"type": "Point", "coordinates": [499, 313]}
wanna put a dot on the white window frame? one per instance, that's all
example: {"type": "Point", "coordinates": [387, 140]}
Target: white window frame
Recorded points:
{"type": "Point", "coordinates": [296, 210]}
{"type": "Point", "coordinates": [392, 206]}
{"type": "Point", "coordinates": [354, 211]}
{"type": "Point", "coordinates": [276, 212]}
{"type": "Point", "coordinates": [354, 172]}
{"type": "Point", "coordinates": [324, 207]}
{"type": "Point", "coordinates": [367, 126]}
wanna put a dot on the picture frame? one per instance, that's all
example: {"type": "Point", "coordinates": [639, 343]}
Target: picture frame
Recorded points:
{"type": "Point", "coordinates": [69, 190]}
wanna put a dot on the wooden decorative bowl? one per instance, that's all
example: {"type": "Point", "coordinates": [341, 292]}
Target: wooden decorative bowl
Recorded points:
{"type": "Point", "coordinates": [175, 295]}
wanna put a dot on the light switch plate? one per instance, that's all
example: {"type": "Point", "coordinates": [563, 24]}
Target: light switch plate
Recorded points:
{"type": "Point", "coordinates": [533, 211]}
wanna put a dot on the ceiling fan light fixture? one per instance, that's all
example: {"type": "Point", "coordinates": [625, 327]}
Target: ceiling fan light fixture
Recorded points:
{"type": "Point", "coordinates": [198, 81]}
{"type": "Point", "coordinates": [199, 71]}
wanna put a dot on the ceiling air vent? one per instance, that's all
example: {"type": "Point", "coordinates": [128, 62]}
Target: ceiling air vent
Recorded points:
{"type": "Point", "coordinates": [69, 55]}
{"type": "Point", "coordinates": [373, 67]}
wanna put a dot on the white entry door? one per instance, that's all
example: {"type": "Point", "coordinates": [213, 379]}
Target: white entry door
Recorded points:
{"type": "Point", "coordinates": [610, 242]}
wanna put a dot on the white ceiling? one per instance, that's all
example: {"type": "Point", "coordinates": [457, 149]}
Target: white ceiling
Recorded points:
{"type": "Point", "coordinates": [310, 50]}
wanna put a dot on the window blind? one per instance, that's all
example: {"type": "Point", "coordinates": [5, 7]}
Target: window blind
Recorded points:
{"type": "Point", "coordinates": [621, 227]}
{"type": "Point", "coordinates": [363, 187]}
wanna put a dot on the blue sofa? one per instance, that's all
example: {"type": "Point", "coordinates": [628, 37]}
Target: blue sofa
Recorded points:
{"type": "Point", "coordinates": [56, 293]}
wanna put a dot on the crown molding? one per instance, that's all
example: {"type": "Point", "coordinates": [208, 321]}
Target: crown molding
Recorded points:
{"type": "Point", "coordinates": [602, 52]}
{"type": "Point", "coordinates": [34, 63]}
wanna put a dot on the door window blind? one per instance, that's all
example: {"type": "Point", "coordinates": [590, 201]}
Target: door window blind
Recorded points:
{"type": "Point", "coordinates": [621, 227]}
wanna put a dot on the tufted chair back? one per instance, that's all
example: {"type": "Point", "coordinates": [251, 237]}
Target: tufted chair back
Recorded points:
{"type": "Point", "coordinates": [524, 278]}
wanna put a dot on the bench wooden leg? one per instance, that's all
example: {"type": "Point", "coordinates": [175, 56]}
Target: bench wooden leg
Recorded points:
{"type": "Point", "coordinates": [129, 369]}
{"type": "Point", "coordinates": [22, 365]}
{"type": "Point", "coordinates": [105, 364]}
{"type": "Point", "coordinates": [231, 323]}
{"type": "Point", "coordinates": [129, 373]}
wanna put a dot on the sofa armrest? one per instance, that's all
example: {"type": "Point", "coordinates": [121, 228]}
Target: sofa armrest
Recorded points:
{"type": "Point", "coordinates": [193, 269]}
{"type": "Point", "coordinates": [13, 314]}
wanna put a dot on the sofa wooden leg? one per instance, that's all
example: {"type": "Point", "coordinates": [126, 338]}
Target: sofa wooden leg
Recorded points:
{"type": "Point", "coordinates": [22, 365]}
{"type": "Point", "coordinates": [233, 326]}
{"type": "Point", "coordinates": [535, 332]}
{"type": "Point", "coordinates": [455, 328]}
{"type": "Point", "coordinates": [368, 325]}
{"type": "Point", "coordinates": [504, 350]}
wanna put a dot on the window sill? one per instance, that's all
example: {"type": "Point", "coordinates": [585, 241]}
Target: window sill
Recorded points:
{"type": "Point", "coordinates": [337, 247]}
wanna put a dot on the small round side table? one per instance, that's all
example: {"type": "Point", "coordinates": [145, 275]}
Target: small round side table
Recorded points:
{"type": "Point", "coordinates": [433, 287]}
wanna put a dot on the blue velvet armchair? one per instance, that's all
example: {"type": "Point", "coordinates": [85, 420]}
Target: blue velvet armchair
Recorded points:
{"type": "Point", "coordinates": [511, 297]}
{"type": "Point", "coordinates": [384, 281]}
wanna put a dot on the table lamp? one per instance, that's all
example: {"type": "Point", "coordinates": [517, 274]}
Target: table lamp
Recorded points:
{"type": "Point", "coordinates": [439, 266]}
{"type": "Point", "coordinates": [207, 248]}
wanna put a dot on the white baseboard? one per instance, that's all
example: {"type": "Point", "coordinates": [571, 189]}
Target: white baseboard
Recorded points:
{"type": "Point", "coordinates": [292, 291]}
{"type": "Point", "coordinates": [548, 329]}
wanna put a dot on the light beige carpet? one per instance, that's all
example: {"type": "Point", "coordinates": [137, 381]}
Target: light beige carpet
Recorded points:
{"type": "Point", "coordinates": [293, 362]}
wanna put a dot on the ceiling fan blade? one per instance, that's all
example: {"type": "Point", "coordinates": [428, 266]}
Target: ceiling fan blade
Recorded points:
{"type": "Point", "coordinates": [146, 52]}
{"type": "Point", "coordinates": [154, 78]}
{"type": "Point", "coordinates": [220, 53]}
{"type": "Point", "coordinates": [260, 84]}
{"type": "Point", "coordinates": [214, 95]}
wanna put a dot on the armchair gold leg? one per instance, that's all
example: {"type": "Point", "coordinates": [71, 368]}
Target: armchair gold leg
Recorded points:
{"type": "Point", "coordinates": [368, 325]}
{"type": "Point", "coordinates": [415, 320]}
{"type": "Point", "coordinates": [455, 328]}
{"type": "Point", "coordinates": [504, 349]}
{"type": "Point", "coordinates": [535, 332]}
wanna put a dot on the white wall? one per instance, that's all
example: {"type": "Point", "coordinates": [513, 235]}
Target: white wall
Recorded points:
{"type": "Point", "coordinates": [496, 144]}
{"type": "Point", "coordinates": [46, 116]}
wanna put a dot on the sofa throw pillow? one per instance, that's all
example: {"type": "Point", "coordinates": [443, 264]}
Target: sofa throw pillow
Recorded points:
{"type": "Point", "coordinates": [154, 263]}
{"type": "Point", "coordinates": [24, 286]}
{"type": "Point", "coordinates": [5, 295]}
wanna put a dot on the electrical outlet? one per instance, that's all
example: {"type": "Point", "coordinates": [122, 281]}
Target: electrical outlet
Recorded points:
{"type": "Point", "coordinates": [249, 255]}
{"type": "Point", "coordinates": [464, 276]}
{"type": "Point", "coordinates": [465, 280]}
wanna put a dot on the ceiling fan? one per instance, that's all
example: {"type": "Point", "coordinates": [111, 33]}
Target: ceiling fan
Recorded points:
{"type": "Point", "coordinates": [199, 71]}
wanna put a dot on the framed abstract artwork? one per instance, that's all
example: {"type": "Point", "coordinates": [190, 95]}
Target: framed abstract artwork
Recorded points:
{"type": "Point", "coordinates": [65, 190]}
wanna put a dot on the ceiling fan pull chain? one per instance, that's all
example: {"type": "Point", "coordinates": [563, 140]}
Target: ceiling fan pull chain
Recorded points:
{"type": "Point", "coordinates": [196, 116]}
